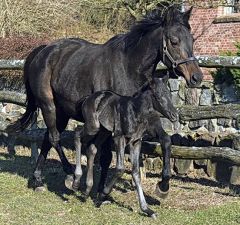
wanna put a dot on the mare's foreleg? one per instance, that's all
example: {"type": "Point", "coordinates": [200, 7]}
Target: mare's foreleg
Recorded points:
{"type": "Point", "coordinates": [56, 122]}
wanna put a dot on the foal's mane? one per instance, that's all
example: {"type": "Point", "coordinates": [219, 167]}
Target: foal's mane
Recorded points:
{"type": "Point", "coordinates": [153, 20]}
{"type": "Point", "coordinates": [143, 88]}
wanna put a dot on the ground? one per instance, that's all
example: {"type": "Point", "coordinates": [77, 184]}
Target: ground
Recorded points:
{"type": "Point", "coordinates": [191, 200]}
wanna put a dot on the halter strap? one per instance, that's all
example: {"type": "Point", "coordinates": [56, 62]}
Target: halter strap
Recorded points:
{"type": "Point", "coordinates": [175, 63]}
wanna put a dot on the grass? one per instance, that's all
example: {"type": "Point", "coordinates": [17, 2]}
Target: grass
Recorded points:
{"type": "Point", "coordinates": [191, 201]}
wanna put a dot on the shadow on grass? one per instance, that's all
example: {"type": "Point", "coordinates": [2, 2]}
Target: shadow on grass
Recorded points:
{"type": "Point", "coordinates": [54, 178]}
{"type": "Point", "coordinates": [234, 189]}
{"type": "Point", "coordinates": [53, 175]}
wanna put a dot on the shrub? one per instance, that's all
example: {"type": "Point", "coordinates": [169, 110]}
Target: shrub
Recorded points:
{"type": "Point", "coordinates": [19, 47]}
{"type": "Point", "coordinates": [227, 75]}
{"type": "Point", "coordinates": [38, 17]}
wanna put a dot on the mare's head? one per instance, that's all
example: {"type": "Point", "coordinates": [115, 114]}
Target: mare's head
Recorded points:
{"type": "Point", "coordinates": [162, 101]}
{"type": "Point", "coordinates": [177, 46]}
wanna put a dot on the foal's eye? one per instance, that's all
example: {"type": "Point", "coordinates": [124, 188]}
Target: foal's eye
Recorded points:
{"type": "Point", "coordinates": [174, 40]}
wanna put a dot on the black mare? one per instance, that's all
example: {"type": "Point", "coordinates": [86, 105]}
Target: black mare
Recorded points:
{"type": "Point", "coordinates": [125, 119]}
{"type": "Point", "coordinates": [58, 76]}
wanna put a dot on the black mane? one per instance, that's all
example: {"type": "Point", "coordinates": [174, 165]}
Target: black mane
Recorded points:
{"type": "Point", "coordinates": [150, 22]}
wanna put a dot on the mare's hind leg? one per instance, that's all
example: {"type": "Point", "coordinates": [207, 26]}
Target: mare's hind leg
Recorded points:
{"type": "Point", "coordinates": [54, 138]}
{"type": "Point", "coordinates": [46, 145]}
{"type": "Point", "coordinates": [56, 122]}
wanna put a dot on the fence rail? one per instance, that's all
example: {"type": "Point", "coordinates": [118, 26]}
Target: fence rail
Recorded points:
{"type": "Point", "coordinates": [204, 61]}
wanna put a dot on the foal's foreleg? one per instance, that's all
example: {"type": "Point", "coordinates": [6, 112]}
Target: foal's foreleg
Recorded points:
{"type": "Point", "coordinates": [134, 155]}
{"type": "Point", "coordinates": [162, 188]}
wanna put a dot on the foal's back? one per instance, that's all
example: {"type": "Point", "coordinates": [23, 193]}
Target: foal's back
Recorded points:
{"type": "Point", "coordinates": [100, 109]}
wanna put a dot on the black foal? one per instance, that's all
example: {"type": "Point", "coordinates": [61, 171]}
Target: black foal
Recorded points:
{"type": "Point", "coordinates": [126, 119]}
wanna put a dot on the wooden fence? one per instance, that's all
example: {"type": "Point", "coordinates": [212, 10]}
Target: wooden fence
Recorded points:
{"type": "Point", "coordinates": [204, 61]}
{"type": "Point", "coordinates": [187, 113]}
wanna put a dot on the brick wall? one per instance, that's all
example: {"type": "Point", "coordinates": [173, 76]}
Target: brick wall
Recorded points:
{"type": "Point", "coordinates": [214, 38]}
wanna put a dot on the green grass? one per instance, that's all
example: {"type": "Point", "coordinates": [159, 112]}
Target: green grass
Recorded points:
{"type": "Point", "coordinates": [190, 202]}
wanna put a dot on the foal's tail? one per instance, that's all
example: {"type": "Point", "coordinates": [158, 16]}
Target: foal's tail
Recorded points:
{"type": "Point", "coordinates": [29, 117]}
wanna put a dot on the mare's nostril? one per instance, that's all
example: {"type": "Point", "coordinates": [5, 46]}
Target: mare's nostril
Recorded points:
{"type": "Point", "coordinates": [194, 79]}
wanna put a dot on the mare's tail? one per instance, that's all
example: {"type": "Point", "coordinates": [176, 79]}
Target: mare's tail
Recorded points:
{"type": "Point", "coordinates": [29, 117]}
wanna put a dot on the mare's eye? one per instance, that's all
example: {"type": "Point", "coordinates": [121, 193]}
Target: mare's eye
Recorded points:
{"type": "Point", "coordinates": [174, 40]}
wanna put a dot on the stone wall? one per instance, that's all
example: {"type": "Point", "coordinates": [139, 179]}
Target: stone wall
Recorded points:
{"type": "Point", "coordinates": [207, 94]}
{"type": "Point", "coordinates": [218, 132]}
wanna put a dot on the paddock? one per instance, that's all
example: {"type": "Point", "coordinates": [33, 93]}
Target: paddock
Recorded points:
{"type": "Point", "coordinates": [193, 199]}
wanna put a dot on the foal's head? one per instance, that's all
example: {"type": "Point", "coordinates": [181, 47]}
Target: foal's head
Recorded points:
{"type": "Point", "coordinates": [161, 98]}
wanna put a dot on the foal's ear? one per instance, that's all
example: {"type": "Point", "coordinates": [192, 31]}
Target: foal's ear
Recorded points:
{"type": "Point", "coordinates": [165, 78]}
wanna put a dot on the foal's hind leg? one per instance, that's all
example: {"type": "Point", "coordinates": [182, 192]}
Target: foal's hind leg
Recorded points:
{"type": "Point", "coordinates": [105, 161]}
{"type": "Point", "coordinates": [100, 138]}
{"type": "Point", "coordinates": [120, 148]}
{"type": "Point", "coordinates": [73, 183]}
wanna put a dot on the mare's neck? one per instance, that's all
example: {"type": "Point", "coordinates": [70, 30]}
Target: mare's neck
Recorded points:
{"type": "Point", "coordinates": [144, 57]}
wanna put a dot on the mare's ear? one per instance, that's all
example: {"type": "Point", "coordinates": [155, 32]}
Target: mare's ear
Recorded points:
{"type": "Point", "coordinates": [187, 14]}
{"type": "Point", "coordinates": [168, 15]}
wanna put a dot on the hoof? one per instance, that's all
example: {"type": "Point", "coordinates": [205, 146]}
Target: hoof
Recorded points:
{"type": "Point", "coordinates": [84, 196]}
{"type": "Point", "coordinates": [154, 216]}
{"type": "Point", "coordinates": [102, 199]}
{"type": "Point", "coordinates": [40, 189]}
{"type": "Point", "coordinates": [161, 194]}
{"type": "Point", "coordinates": [75, 185]}
{"type": "Point", "coordinates": [106, 202]}
{"type": "Point", "coordinates": [99, 203]}
{"type": "Point", "coordinates": [69, 182]}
